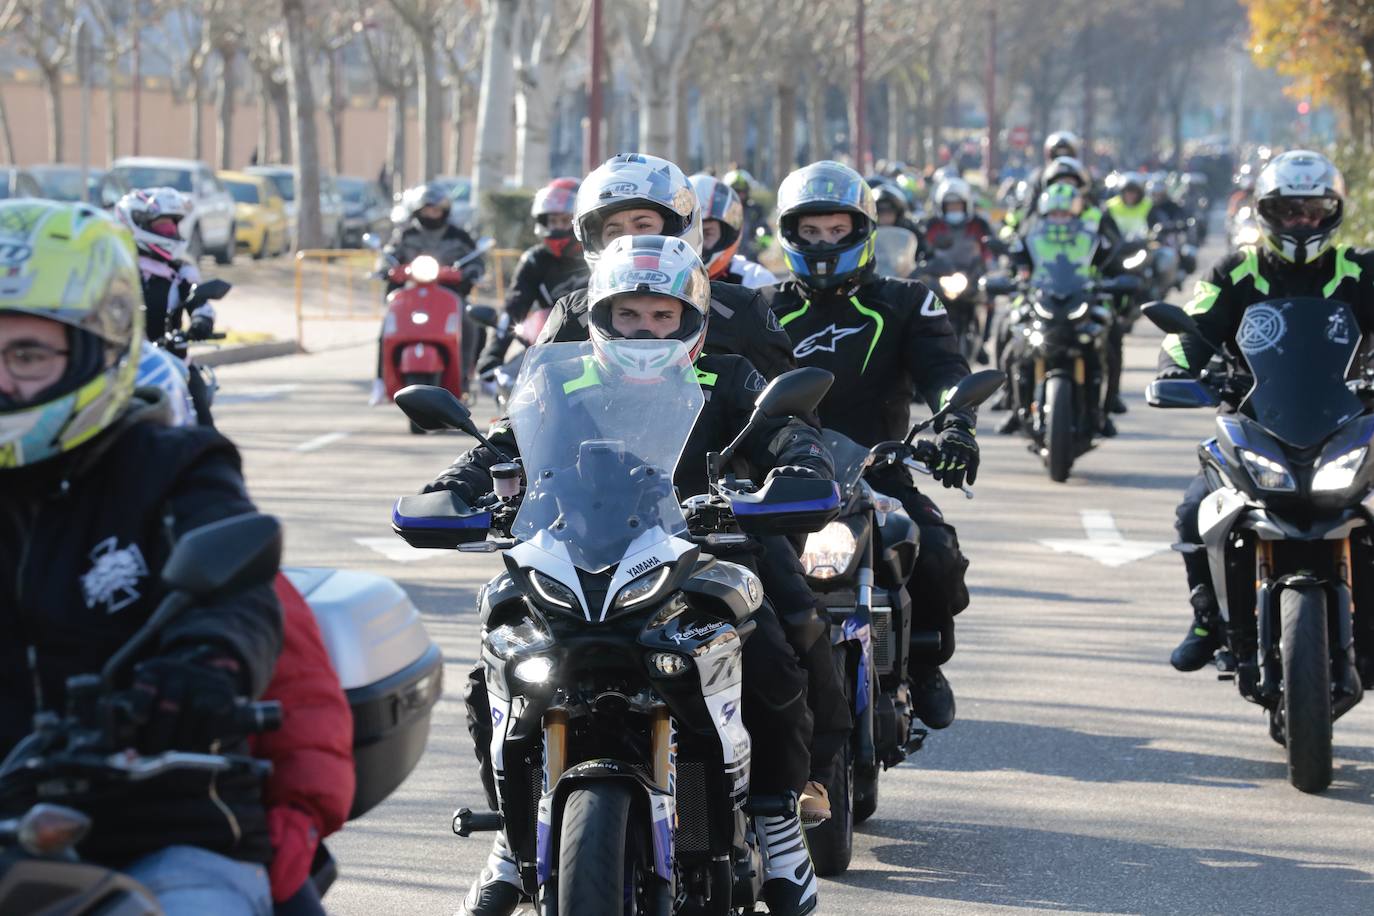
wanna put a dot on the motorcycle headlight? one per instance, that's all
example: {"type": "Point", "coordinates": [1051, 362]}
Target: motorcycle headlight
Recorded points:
{"type": "Point", "coordinates": [829, 551]}
{"type": "Point", "coordinates": [1080, 311]}
{"type": "Point", "coordinates": [1134, 260]}
{"type": "Point", "coordinates": [525, 635]}
{"type": "Point", "coordinates": [1248, 235]}
{"type": "Point", "coordinates": [535, 670]}
{"type": "Point", "coordinates": [420, 317]}
{"type": "Point", "coordinates": [1041, 310]}
{"type": "Point", "coordinates": [643, 588]}
{"type": "Point", "coordinates": [953, 286]}
{"type": "Point", "coordinates": [552, 591]}
{"type": "Point", "coordinates": [1267, 473]}
{"type": "Point", "coordinates": [424, 269]}
{"type": "Point", "coordinates": [1035, 338]}
{"type": "Point", "coordinates": [1339, 473]}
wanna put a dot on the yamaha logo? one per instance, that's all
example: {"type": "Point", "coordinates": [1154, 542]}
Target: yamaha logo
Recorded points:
{"type": "Point", "coordinates": [641, 568]}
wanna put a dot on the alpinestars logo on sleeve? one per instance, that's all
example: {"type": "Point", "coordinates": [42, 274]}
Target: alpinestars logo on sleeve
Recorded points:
{"type": "Point", "coordinates": [113, 576]}
{"type": "Point", "coordinates": [824, 341]}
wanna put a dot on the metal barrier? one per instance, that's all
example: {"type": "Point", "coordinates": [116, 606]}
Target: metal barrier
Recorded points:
{"type": "Point", "coordinates": [341, 284]}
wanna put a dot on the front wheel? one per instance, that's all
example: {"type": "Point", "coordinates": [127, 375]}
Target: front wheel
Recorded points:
{"type": "Point", "coordinates": [1058, 409]}
{"type": "Point", "coordinates": [592, 850]}
{"type": "Point", "coordinates": [1306, 687]}
{"type": "Point", "coordinates": [832, 841]}
{"type": "Point", "coordinates": [419, 378]}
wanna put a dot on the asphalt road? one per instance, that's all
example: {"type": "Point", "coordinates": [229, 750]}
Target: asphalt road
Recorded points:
{"type": "Point", "coordinates": [1083, 774]}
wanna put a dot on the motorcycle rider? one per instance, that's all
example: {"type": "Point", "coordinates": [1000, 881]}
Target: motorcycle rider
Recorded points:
{"type": "Point", "coordinates": [1300, 203]}
{"type": "Point", "coordinates": [957, 218]}
{"type": "Point", "coordinates": [626, 302]}
{"type": "Point", "coordinates": [96, 490]}
{"type": "Point", "coordinates": [644, 195]}
{"type": "Point", "coordinates": [1131, 209]}
{"type": "Point", "coordinates": [430, 232]}
{"type": "Point", "coordinates": [879, 336]}
{"type": "Point", "coordinates": [544, 271]}
{"type": "Point", "coordinates": [722, 225]}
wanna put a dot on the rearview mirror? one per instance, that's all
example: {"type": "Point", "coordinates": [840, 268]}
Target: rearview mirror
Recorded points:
{"type": "Point", "coordinates": [486, 243]}
{"type": "Point", "coordinates": [794, 393]}
{"type": "Point", "coordinates": [434, 408]}
{"type": "Point", "coordinates": [484, 315]}
{"type": "Point", "coordinates": [211, 289]}
{"type": "Point", "coordinates": [976, 388]}
{"type": "Point", "coordinates": [1170, 318]}
{"type": "Point", "coordinates": [225, 556]}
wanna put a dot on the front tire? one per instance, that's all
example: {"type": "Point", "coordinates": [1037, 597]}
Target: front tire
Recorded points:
{"type": "Point", "coordinates": [1306, 687]}
{"type": "Point", "coordinates": [1058, 409]}
{"type": "Point", "coordinates": [832, 842]}
{"type": "Point", "coordinates": [591, 850]}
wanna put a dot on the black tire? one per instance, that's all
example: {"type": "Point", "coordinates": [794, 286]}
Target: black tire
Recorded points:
{"type": "Point", "coordinates": [1306, 687]}
{"type": "Point", "coordinates": [225, 256]}
{"type": "Point", "coordinates": [419, 378]}
{"type": "Point", "coordinates": [195, 248]}
{"type": "Point", "coordinates": [832, 842]}
{"type": "Point", "coordinates": [1058, 408]}
{"type": "Point", "coordinates": [866, 787]}
{"type": "Point", "coordinates": [591, 850]}
{"type": "Point", "coordinates": [262, 249]}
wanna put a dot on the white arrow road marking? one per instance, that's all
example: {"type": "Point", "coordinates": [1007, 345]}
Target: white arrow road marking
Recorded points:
{"type": "Point", "coordinates": [1104, 542]}
{"type": "Point", "coordinates": [319, 442]}
{"type": "Point", "coordinates": [393, 548]}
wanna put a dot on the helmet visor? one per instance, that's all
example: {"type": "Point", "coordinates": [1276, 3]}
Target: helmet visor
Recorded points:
{"type": "Point", "coordinates": [1299, 212]}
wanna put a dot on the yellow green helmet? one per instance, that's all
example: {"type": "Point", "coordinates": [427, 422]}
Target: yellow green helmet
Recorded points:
{"type": "Point", "coordinates": [72, 264]}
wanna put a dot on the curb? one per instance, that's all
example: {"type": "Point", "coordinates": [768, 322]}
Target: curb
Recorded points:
{"type": "Point", "coordinates": [247, 353]}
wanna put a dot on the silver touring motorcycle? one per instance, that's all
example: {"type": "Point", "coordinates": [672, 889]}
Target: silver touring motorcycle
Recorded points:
{"type": "Point", "coordinates": [611, 642]}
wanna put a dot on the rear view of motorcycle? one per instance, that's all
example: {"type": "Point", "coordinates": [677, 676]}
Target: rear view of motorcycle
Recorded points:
{"type": "Point", "coordinates": [1285, 525]}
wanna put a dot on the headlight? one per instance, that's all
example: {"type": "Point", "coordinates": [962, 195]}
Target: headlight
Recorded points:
{"type": "Point", "coordinates": [670, 663]}
{"type": "Point", "coordinates": [1339, 473]}
{"type": "Point", "coordinates": [1267, 473]}
{"type": "Point", "coordinates": [1248, 235]}
{"type": "Point", "coordinates": [954, 285]}
{"type": "Point", "coordinates": [1041, 310]}
{"type": "Point", "coordinates": [829, 551]}
{"type": "Point", "coordinates": [552, 591]}
{"type": "Point", "coordinates": [642, 589]}
{"type": "Point", "coordinates": [1134, 260]}
{"type": "Point", "coordinates": [1036, 338]}
{"type": "Point", "coordinates": [1080, 311]}
{"type": "Point", "coordinates": [535, 670]}
{"type": "Point", "coordinates": [528, 635]}
{"type": "Point", "coordinates": [424, 269]}
{"type": "Point", "coordinates": [420, 317]}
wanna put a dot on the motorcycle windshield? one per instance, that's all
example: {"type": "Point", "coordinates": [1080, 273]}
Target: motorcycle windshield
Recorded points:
{"type": "Point", "coordinates": [894, 251]}
{"type": "Point", "coordinates": [1299, 351]}
{"type": "Point", "coordinates": [600, 444]}
{"type": "Point", "coordinates": [848, 455]}
{"type": "Point", "coordinates": [1059, 284]}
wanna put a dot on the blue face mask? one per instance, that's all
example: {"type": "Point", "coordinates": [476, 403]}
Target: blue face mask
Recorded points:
{"type": "Point", "coordinates": [957, 218]}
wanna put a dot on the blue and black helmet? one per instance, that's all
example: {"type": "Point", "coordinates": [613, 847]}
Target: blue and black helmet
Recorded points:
{"type": "Point", "coordinates": [828, 187]}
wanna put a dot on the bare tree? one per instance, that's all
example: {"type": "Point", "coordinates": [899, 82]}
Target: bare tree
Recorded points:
{"type": "Point", "coordinates": [309, 232]}
{"type": "Point", "coordinates": [46, 29]}
{"type": "Point", "coordinates": [493, 111]}
{"type": "Point", "coordinates": [657, 36]}
{"type": "Point", "coordinates": [543, 46]}
{"type": "Point", "coordinates": [424, 18]}
{"type": "Point", "coordinates": [119, 22]}
{"type": "Point", "coordinates": [9, 17]}
{"type": "Point", "coordinates": [464, 38]}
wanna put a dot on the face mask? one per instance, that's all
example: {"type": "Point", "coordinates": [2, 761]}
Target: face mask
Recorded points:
{"type": "Point", "coordinates": [432, 222]}
{"type": "Point", "coordinates": [956, 218]}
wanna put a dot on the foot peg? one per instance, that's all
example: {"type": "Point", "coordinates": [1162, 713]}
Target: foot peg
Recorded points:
{"type": "Point", "coordinates": [466, 822]}
{"type": "Point", "coordinates": [915, 740]}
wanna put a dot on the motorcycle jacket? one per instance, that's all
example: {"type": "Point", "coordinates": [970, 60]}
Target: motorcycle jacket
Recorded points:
{"type": "Point", "coordinates": [891, 338]}
{"type": "Point", "coordinates": [166, 287]}
{"type": "Point", "coordinates": [83, 539]}
{"type": "Point", "coordinates": [975, 229]}
{"type": "Point", "coordinates": [447, 244]}
{"type": "Point", "coordinates": [1248, 276]}
{"type": "Point", "coordinates": [740, 323]}
{"type": "Point", "coordinates": [730, 385]}
{"type": "Point", "coordinates": [1133, 222]}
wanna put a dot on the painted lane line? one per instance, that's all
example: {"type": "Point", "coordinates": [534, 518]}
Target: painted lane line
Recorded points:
{"type": "Point", "coordinates": [319, 442]}
{"type": "Point", "coordinates": [397, 550]}
{"type": "Point", "coordinates": [1104, 542]}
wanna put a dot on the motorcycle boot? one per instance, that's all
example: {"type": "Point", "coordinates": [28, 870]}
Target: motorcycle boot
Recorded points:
{"type": "Point", "coordinates": [1011, 424]}
{"type": "Point", "coordinates": [789, 881]}
{"type": "Point", "coordinates": [1204, 636]}
{"type": "Point", "coordinates": [814, 804]}
{"type": "Point", "coordinates": [932, 699]}
{"type": "Point", "coordinates": [497, 890]}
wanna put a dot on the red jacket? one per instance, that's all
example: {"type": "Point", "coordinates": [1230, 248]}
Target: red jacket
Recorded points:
{"type": "Point", "coordinates": [311, 787]}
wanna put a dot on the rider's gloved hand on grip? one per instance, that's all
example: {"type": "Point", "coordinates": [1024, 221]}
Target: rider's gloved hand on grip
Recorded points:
{"type": "Point", "coordinates": [795, 470]}
{"type": "Point", "coordinates": [184, 701]}
{"type": "Point", "coordinates": [201, 328]}
{"type": "Point", "coordinates": [958, 460]}
{"type": "Point", "coordinates": [1174, 372]}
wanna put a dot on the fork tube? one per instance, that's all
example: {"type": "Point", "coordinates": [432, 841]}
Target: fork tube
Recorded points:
{"type": "Point", "coordinates": [663, 748]}
{"type": "Point", "coordinates": [555, 746]}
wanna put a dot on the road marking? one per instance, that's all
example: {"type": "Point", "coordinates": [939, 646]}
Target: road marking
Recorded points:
{"type": "Point", "coordinates": [393, 548]}
{"type": "Point", "coordinates": [249, 394]}
{"type": "Point", "coordinates": [1104, 542]}
{"type": "Point", "coordinates": [319, 442]}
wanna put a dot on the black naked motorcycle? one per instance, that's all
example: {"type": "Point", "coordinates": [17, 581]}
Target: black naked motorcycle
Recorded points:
{"type": "Point", "coordinates": [858, 565]}
{"type": "Point", "coordinates": [82, 753]}
{"type": "Point", "coordinates": [954, 271]}
{"type": "Point", "coordinates": [1057, 356]}
{"type": "Point", "coordinates": [612, 642]}
{"type": "Point", "coordinates": [1285, 526]}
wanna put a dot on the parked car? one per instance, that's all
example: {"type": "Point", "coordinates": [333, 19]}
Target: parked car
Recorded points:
{"type": "Point", "coordinates": [209, 227]}
{"type": "Point", "coordinates": [259, 214]}
{"type": "Point", "coordinates": [366, 209]}
{"type": "Point", "coordinates": [331, 206]}
{"type": "Point", "coordinates": [63, 182]}
{"type": "Point", "coordinates": [18, 183]}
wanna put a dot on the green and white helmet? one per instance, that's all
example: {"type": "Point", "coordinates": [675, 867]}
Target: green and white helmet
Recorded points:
{"type": "Point", "coordinates": [648, 265]}
{"type": "Point", "coordinates": [1300, 203]}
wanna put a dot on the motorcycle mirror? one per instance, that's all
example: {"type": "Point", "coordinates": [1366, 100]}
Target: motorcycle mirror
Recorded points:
{"type": "Point", "coordinates": [998, 285]}
{"type": "Point", "coordinates": [227, 555]}
{"type": "Point", "coordinates": [211, 289]}
{"type": "Point", "coordinates": [370, 240]}
{"type": "Point", "coordinates": [434, 408]}
{"type": "Point", "coordinates": [1170, 318]}
{"type": "Point", "coordinates": [484, 315]}
{"type": "Point", "coordinates": [793, 393]}
{"type": "Point", "coordinates": [974, 389]}
{"type": "Point", "coordinates": [486, 243]}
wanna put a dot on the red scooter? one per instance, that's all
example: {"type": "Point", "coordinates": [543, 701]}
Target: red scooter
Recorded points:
{"type": "Point", "coordinates": [422, 334]}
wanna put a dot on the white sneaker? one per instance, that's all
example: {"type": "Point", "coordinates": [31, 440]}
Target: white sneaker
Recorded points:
{"type": "Point", "coordinates": [378, 394]}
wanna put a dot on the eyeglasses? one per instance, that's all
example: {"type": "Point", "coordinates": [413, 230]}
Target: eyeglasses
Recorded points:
{"type": "Point", "coordinates": [31, 362]}
{"type": "Point", "coordinates": [1295, 209]}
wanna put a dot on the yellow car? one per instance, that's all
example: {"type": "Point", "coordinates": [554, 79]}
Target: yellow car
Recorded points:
{"type": "Point", "coordinates": [260, 220]}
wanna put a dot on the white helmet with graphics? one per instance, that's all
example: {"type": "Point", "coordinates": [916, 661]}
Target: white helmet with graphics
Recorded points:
{"type": "Point", "coordinates": [1299, 204]}
{"type": "Point", "coordinates": [154, 216]}
{"type": "Point", "coordinates": [632, 181]}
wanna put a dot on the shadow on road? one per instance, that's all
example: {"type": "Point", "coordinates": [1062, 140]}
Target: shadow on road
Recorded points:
{"type": "Point", "coordinates": [1029, 594]}
{"type": "Point", "coordinates": [1126, 480]}
{"type": "Point", "coordinates": [1008, 865]}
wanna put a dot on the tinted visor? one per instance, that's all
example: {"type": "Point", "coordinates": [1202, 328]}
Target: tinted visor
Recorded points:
{"type": "Point", "coordinates": [1290, 210]}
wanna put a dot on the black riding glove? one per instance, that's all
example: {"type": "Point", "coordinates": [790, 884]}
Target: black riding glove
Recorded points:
{"type": "Point", "coordinates": [1174, 372]}
{"type": "Point", "coordinates": [795, 470]}
{"type": "Point", "coordinates": [183, 701]}
{"type": "Point", "coordinates": [201, 328]}
{"type": "Point", "coordinates": [958, 459]}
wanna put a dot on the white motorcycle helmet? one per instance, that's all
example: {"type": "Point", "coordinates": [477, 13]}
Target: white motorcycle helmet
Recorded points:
{"type": "Point", "coordinates": [648, 265]}
{"type": "Point", "coordinates": [631, 181]}
{"type": "Point", "coordinates": [1299, 204]}
{"type": "Point", "coordinates": [154, 216]}
{"type": "Point", "coordinates": [958, 189]}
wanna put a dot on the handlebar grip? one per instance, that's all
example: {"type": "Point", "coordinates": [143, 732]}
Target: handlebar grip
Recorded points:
{"type": "Point", "coordinates": [254, 718]}
{"type": "Point", "coordinates": [217, 335]}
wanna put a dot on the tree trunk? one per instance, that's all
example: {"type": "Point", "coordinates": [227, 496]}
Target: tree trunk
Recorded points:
{"type": "Point", "coordinates": [7, 134]}
{"type": "Point", "coordinates": [111, 105]}
{"type": "Point", "coordinates": [228, 56]}
{"type": "Point", "coordinates": [308, 229]}
{"type": "Point", "coordinates": [397, 162]}
{"type": "Point", "coordinates": [431, 108]}
{"type": "Point", "coordinates": [338, 104]}
{"type": "Point", "coordinates": [468, 92]}
{"type": "Point", "coordinates": [281, 101]}
{"type": "Point", "coordinates": [264, 147]}
{"type": "Point", "coordinates": [455, 124]}
{"type": "Point", "coordinates": [197, 115]}
{"type": "Point", "coordinates": [533, 111]}
{"type": "Point", "coordinates": [816, 89]}
{"type": "Point", "coordinates": [922, 138]}
{"type": "Point", "coordinates": [786, 156]}
{"type": "Point", "coordinates": [682, 123]}
{"type": "Point", "coordinates": [493, 110]}
{"type": "Point", "coordinates": [52, 80]}
{"type": "Point", "coordinates": [656, 98]}
{"type": "Point", "coordinates": [896, 120]}
{"type": "Point", "coordinates": [737, 138]}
